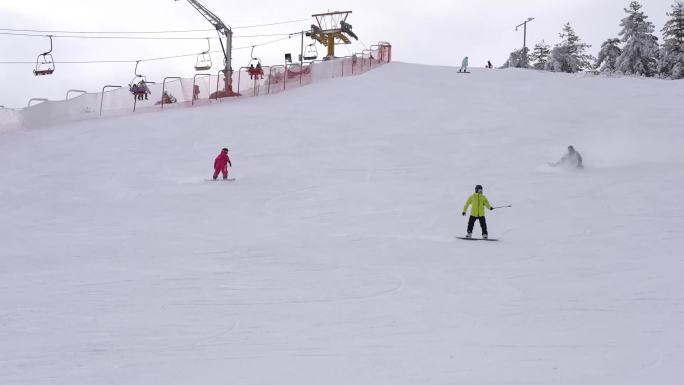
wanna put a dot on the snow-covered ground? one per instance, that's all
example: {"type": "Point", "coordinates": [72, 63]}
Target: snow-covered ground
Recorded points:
{"type": "Point", "coordinates": [332, 259]}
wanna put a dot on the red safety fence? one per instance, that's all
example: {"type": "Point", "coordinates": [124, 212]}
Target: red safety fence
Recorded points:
{"type": "Point", "coordinates": [203, 89]}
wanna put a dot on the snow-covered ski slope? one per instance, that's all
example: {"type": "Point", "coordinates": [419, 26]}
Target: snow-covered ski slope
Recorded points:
{"type": "Point", "coordinates": [332, 258]}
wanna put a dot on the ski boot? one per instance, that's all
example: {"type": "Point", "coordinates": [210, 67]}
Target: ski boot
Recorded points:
{"type": "Point", "coordinates": [469, 235]}
{"type": "Point", "coordinates": [485, 236]}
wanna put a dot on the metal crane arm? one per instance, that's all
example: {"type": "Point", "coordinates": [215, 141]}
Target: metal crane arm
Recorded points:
{"type": "Point", "coordinates": [221, 28]}
{"type": "Point", "coordinates": [210, 16]}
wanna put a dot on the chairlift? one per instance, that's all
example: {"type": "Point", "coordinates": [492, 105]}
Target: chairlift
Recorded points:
{"type": "Point", "coordinates": [137, 76]}
{"type": "Point", "coordinates": [254, 61]}
{"type": "Point", "coordinates": [254, 66]}
{"type": "Point", "coordinates": [311, 52]}
{"type": "Point", "coordinates": [203, 62]}
{"type": "Point", "coordinates": [138, 86]}
{"type": "Point", "coordinates": [45, 64]}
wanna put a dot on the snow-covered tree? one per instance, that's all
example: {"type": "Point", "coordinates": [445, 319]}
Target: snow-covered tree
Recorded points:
{"type": "Point", "coordinates": [608, 55]}
{"type": "Point", "coordinates": [672, 52]}
{"type": "Point", "coordinates": [569, 55]}
{"type": "Point", "coordinates": [640, 53]}
{"type": "Point", "coordinates": [517, 59]}
{"type": "Point", "coordinates": [540, 55]}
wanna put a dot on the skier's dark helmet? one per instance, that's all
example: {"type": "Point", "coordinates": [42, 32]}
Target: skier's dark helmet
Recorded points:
{"type": "Point", "coordinates": [478, 188]}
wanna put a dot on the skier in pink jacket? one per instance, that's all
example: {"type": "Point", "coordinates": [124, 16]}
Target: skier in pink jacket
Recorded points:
{"type": "Point", "coordinates": [221, 164]}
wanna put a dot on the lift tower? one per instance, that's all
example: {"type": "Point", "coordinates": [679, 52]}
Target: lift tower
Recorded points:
{"type": "Point", "coordinates": [224, 30]}
{"type": "Point", "coordinates": [331, 28]}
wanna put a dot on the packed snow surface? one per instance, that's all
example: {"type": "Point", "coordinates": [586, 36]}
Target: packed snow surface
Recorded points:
{"type": "Point", "coordinates": [332, 258]}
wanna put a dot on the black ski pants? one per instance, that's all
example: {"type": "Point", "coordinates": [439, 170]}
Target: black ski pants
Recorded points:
{"type": "Point", "coordinates": [483, 224]}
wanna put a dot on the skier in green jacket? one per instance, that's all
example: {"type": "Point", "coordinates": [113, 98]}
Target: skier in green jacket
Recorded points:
{"type": "Point", "coordinates": [478, 202]}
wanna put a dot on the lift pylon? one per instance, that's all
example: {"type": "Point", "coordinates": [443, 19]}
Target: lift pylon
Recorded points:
{"type": "Point", "coordinates": [331, 28]}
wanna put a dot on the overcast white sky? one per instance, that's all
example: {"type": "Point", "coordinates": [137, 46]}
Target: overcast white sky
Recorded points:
{"type": "Point", "coordinates": [438, 32]}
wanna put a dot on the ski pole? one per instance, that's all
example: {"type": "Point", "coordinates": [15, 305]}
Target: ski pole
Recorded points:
{"type": "Point", "coordinates": [502, 207]}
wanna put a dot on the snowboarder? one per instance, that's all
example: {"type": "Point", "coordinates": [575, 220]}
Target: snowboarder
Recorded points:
{"type": "Point", "coordinates": [478, 202]}
{"type": "Point", "coordinates": [221, 164]}
{"type": "Point", "coordinates": [464, 65]}
{"type": "Point", "coordinates": [571, 159]}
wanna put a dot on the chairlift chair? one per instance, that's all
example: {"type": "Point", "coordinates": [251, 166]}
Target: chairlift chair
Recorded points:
{"type": "Point", "coordinates": [45, 63]}
{"type": "Point", "coordinates": [203, 62]}
{"type": "Point", "coordinates": [311, 52]}
{"type": "Point", "coordinates": [137, 91]}
{"type": "Point", "coordinates": [137, 76]}
{"type": "Point", "coordinates": [254, 61]}
{"type": "Point", "coordinates": [255, 66]}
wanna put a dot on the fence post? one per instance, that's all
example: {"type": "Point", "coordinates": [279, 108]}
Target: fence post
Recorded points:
{"type": "Point", "coordinates": [135, 99]}
{"type": "Point", "coordinates": [240, 78]}
{"type": "Point", "coordinates": [194, 80]}
{"type": "Point", "coordinates": [102, 97]}
{"type": "Point", "coordinates": [70, 91]}
{"type": "Point", "coordinates": [371, 53]}
{"type": "Point", "coordinates": [37, 100]}
{"type": "Point", "coordinates": [164, 88]}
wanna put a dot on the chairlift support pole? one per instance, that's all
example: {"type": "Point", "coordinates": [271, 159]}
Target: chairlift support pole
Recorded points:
{"type": "Point", "coordinates": [225, 30]}
{"type": "Point", "coordinates": [524, 25]}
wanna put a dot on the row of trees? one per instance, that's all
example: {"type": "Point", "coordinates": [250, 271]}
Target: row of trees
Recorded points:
{"type": "Point", "coordinates": [635, 52]}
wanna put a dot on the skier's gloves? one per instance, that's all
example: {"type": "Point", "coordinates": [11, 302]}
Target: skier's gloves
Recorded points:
{"type": "Point", "coordinates": [491, 208]}
{"type": "Point", "coordinates": [463, 213]}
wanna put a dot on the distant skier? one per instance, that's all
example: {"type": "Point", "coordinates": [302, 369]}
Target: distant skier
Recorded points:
{"type": "Point", "coordinates": [478, 202]}
{"type": "Point", "coordinates": [464, 65]}
{"type": "Point", "coordinates": [571, 159]}
{"type": "Point", "coordinates": [221, 164]}
{"type": "Point", "coordinates": [489, 64]}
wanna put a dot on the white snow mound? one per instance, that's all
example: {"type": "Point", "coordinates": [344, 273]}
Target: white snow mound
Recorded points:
{"type": "Point", "coordinates": [332, 258]}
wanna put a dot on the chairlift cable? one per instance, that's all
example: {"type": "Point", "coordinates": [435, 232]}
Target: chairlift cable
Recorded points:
{"type": "Point", "coordinates": [271, 24]}
{"type": "Point", "coordinates": [106, 37]}
{"type": "Point", "coordinates": [17, 30]}
{"type": "Point", "coordinates": [104, 32]}
{"type": "Point", "coordinates": [143, 37]}
{"type": "Point", "coordinates": [143, 60]}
